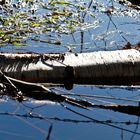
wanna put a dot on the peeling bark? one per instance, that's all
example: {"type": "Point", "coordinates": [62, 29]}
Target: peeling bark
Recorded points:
{"type": "Point", "coordinates": [121, 67]}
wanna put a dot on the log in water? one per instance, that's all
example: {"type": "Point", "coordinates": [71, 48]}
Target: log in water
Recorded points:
{"type": "Point", "coordinates": [120, 67]}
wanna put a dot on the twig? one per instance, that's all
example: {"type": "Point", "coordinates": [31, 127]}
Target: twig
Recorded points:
{"type": "Point", "coordinates": [40, 92]}
{"type": "Point", "coordinates": [13, 91]}
{"type": "Point", "coordinates": [89, 96]}
{"type": "Point", "coordinates": [98, 121]}
{"type": "Point", "coordinates": [49, 132]}
{"type": "Point", "coordinates": [40, 117]}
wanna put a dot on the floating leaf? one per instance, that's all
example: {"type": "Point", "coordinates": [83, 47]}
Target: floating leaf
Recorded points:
{"type": "Point", "coordinates": [60, 2]}
{"type": "Point", "coordinates": [35, 25]}
{"type": "Point", "coordinates": [18, 44]}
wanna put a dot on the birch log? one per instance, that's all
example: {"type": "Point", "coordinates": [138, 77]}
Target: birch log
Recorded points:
{"type": "Point", "coordinates": [121, 67]}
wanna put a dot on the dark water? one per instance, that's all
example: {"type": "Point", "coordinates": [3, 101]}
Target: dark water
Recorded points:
{"type": "Point", "coordinates": [40, 120]}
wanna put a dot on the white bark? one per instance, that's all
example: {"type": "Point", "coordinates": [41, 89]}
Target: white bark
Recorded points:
{"type": "Point", "coordinates": [121, 67]}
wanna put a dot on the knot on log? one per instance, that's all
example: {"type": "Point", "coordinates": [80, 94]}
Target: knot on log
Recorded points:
{"type": "Point", "coordinates": [69, 77]}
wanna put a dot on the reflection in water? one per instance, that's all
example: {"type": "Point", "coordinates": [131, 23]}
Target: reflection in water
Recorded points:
{"type": "Point", "coordinates": [82, 41]}
{"type": "Point", "coordinates": [47, 121]}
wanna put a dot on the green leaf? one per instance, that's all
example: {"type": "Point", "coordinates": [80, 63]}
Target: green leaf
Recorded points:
{"type": "Point", "coordinates": [18, 44]}
{"type": "Point", "coordinates": [61, 2]}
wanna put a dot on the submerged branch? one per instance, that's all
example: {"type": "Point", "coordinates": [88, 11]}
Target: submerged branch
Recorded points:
{"type": "Point", "coordinates": [98, 121]}
{"type": "Point", "coordinates": [126, 109]}
{"type": "Point", "coordinates": [40, 117]}
{"type": "Point", "coordinates": [39, 92]}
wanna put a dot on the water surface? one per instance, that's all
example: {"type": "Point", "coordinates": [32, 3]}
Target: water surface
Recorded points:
{"type": "Point", "coordinates": [33, 120]}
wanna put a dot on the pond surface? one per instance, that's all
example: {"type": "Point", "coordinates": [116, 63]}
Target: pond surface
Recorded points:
{"type": "Point", "coordinates": [34, 120]}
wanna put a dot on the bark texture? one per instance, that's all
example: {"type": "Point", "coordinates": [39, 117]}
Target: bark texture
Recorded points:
{"type": "Point", "coordinates": [121, 67]}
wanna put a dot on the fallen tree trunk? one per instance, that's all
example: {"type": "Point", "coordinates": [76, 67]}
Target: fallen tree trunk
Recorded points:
{"type": "Point", "coordinates": [121, 67]}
